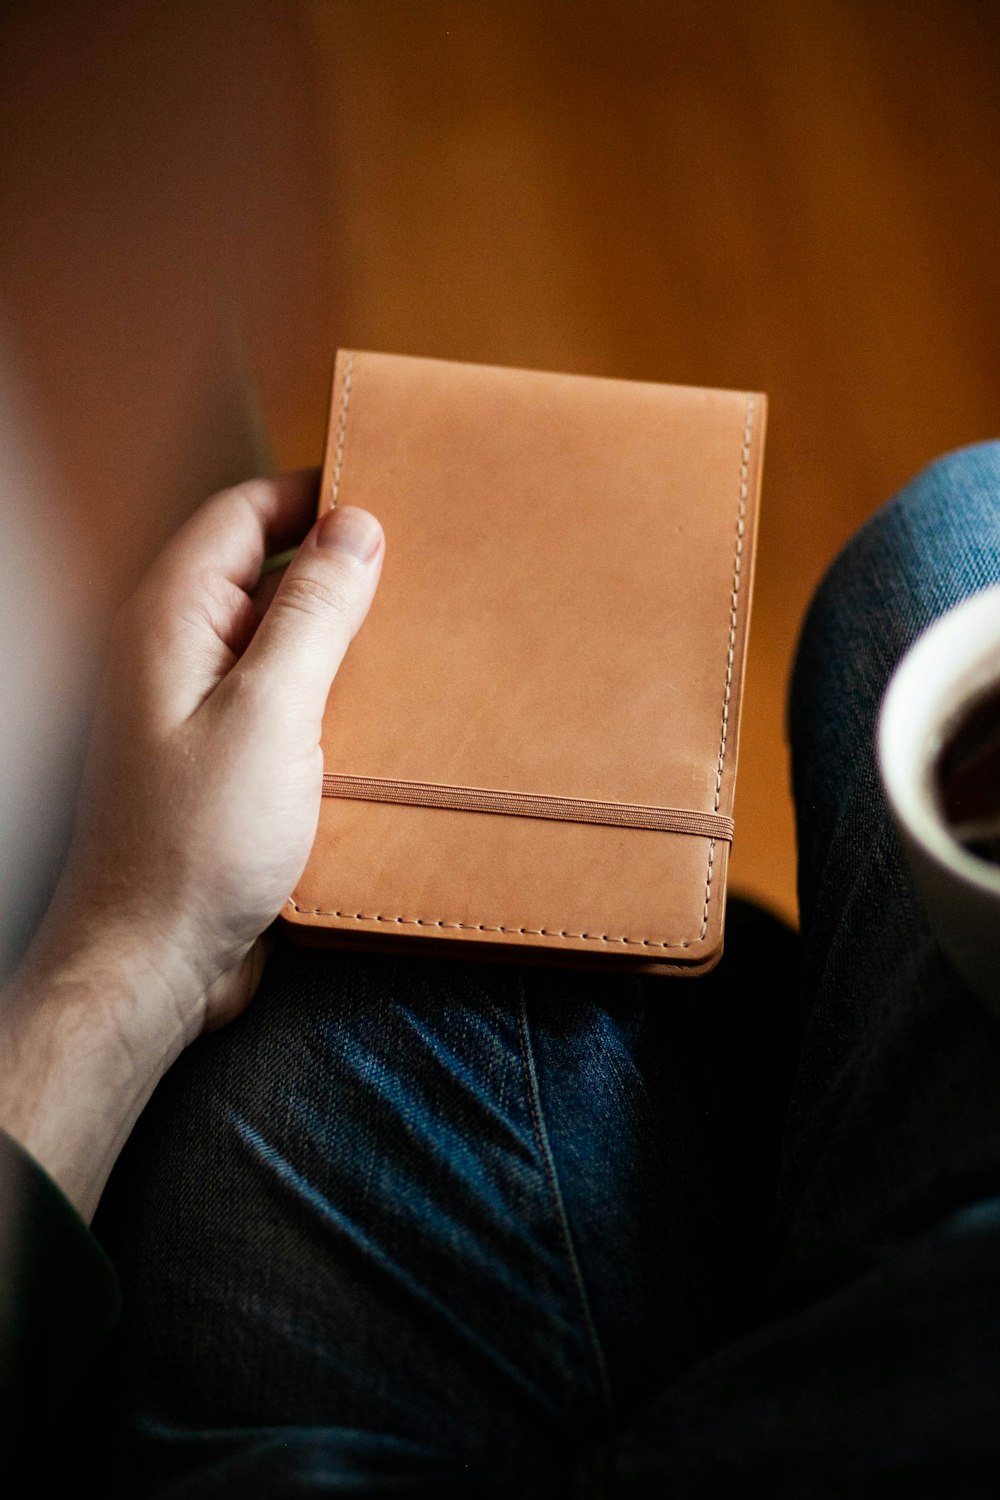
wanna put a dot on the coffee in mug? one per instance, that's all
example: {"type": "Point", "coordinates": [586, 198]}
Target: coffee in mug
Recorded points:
{"type": "Point", "coordinates": [939, 759]}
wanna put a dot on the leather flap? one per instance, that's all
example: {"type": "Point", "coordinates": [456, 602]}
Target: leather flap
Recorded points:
{"type": "Point", "coordinates": [562, 614]}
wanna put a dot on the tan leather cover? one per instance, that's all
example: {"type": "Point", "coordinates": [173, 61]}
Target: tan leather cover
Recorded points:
{"type": "Point", "coordinates": [562, 616]}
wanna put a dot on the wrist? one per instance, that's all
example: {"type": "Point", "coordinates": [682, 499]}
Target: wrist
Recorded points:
{"type": "Point", "coordinates": [83, 1044]}
{"type": "Point", "coordinates": [130, 978]}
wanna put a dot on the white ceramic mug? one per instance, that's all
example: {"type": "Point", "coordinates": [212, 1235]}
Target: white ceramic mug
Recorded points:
{"type": "Point", "coordinates": [954, 664]}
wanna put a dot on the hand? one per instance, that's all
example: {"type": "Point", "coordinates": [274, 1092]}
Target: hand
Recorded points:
{"type": "Point", "coordinates": [201, 791]}
{"type": "Point", "coordinates": [202, 787]}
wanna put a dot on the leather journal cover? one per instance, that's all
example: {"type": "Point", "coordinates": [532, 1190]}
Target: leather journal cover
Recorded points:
{"type": "Point", "coordinates": [530, 748]}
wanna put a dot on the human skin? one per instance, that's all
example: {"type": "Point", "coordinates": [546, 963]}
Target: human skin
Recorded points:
{"type": "Point", "coordinates": [199, 805]}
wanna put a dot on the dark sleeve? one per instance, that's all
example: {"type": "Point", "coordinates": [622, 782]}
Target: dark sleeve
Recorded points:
{"type": "Point", "coordinates": [59, 1297]}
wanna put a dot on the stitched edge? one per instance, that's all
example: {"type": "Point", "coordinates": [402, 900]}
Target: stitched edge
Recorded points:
{"type": "Point", "coordinates": [345, 402]}
{"type": "Point", "coordinates": [741, 518]}
{"type": "Point", "coordinates": [590, 937]}
{"type": "Point", "coordinates": [544, 1147]}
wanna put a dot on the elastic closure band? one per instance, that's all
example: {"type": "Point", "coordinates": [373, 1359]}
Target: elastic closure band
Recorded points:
{"type": "Point", "coordinates": [525, 805]}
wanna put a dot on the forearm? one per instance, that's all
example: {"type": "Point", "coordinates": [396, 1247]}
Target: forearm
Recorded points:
{"type": "Point", "coordinates": [82, 1048]}
{"type": "Point", "coordinates": [198, 808]}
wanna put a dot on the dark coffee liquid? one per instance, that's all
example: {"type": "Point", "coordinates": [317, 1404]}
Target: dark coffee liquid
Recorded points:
{"type": "Point", "coordinates": [967, 778]}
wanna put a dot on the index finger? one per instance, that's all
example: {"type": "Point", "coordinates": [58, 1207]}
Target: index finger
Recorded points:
{"type": "Point", "coordinates": [233, 532]}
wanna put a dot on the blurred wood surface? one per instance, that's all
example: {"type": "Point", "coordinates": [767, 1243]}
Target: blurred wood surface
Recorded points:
{"type": "Point", "coordinates": [800, 198]}
{"type": "Point", "coordinates": [163, 256]}
{"type": "Point", "coordinates": [803, 199]}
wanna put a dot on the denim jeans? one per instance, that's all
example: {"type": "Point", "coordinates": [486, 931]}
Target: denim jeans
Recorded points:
{"type": "Point", "coordinates": [428, 1227]}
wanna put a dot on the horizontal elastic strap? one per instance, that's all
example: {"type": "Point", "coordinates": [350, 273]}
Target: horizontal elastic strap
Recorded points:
{"type": "Point", "coordinates": [524, 805]}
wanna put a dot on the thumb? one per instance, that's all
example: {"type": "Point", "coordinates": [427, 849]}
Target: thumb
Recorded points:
{"type": "Point", "coordinates": [319, 607]}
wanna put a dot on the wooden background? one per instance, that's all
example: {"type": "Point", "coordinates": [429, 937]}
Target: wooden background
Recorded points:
{"type": "Point", "coordinates": [800, 196]}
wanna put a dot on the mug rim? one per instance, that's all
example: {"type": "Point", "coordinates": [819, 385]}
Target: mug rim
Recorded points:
{"type": "Point", "coordinates": [949, 666]}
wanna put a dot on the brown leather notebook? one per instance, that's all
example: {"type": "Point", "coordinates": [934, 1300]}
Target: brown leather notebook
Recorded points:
{"type": "Point", "coordinates": [530, 749]}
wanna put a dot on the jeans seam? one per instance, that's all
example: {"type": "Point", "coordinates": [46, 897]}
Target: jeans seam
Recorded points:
{"type": "Point", "coordinates": [549, 1168]}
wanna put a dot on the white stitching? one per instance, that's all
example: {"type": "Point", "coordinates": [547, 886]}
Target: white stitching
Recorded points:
{"type": "Point", "coordinates": [587, 937]}
{"type": "Point", "coordinates": [342, 428]}
{"type": "Point", "coordinates": [733, 620]}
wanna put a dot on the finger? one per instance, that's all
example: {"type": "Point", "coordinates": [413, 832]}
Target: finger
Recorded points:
{"type": "Point", "coordinates": [230, 994]}
{"type": "Point", "coordinates": [232, 533]}
{"type": "Point", "coordinates": [268, 586]}
{"type": "Point", "coordinates": [192, 616]}
{"type": "Point", "coordinates": [315, 614]}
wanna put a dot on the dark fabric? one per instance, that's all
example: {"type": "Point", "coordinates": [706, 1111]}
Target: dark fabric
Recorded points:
{"type": "Point", "coordinates": [477, 1213]}
{"type": "Point", "coordinates": [58, 1298]}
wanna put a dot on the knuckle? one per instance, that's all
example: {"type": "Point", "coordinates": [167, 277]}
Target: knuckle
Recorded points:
{"type": "Point", "coordinates": [249, 492]}
{"type": "Point", "coordinates": [315, 596]}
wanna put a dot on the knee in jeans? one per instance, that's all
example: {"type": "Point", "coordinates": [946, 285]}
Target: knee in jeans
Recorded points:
{"type": "Point", "coordinates": [955, 489]}
{"type": "Point", "coordinates": [933, 528]}
{"type": "Point", "coordinates": [934, 543]}
{"type": "Point", "coordinates": [954, 467]}
{"type": "Point", "coordinates": [939, 533]}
